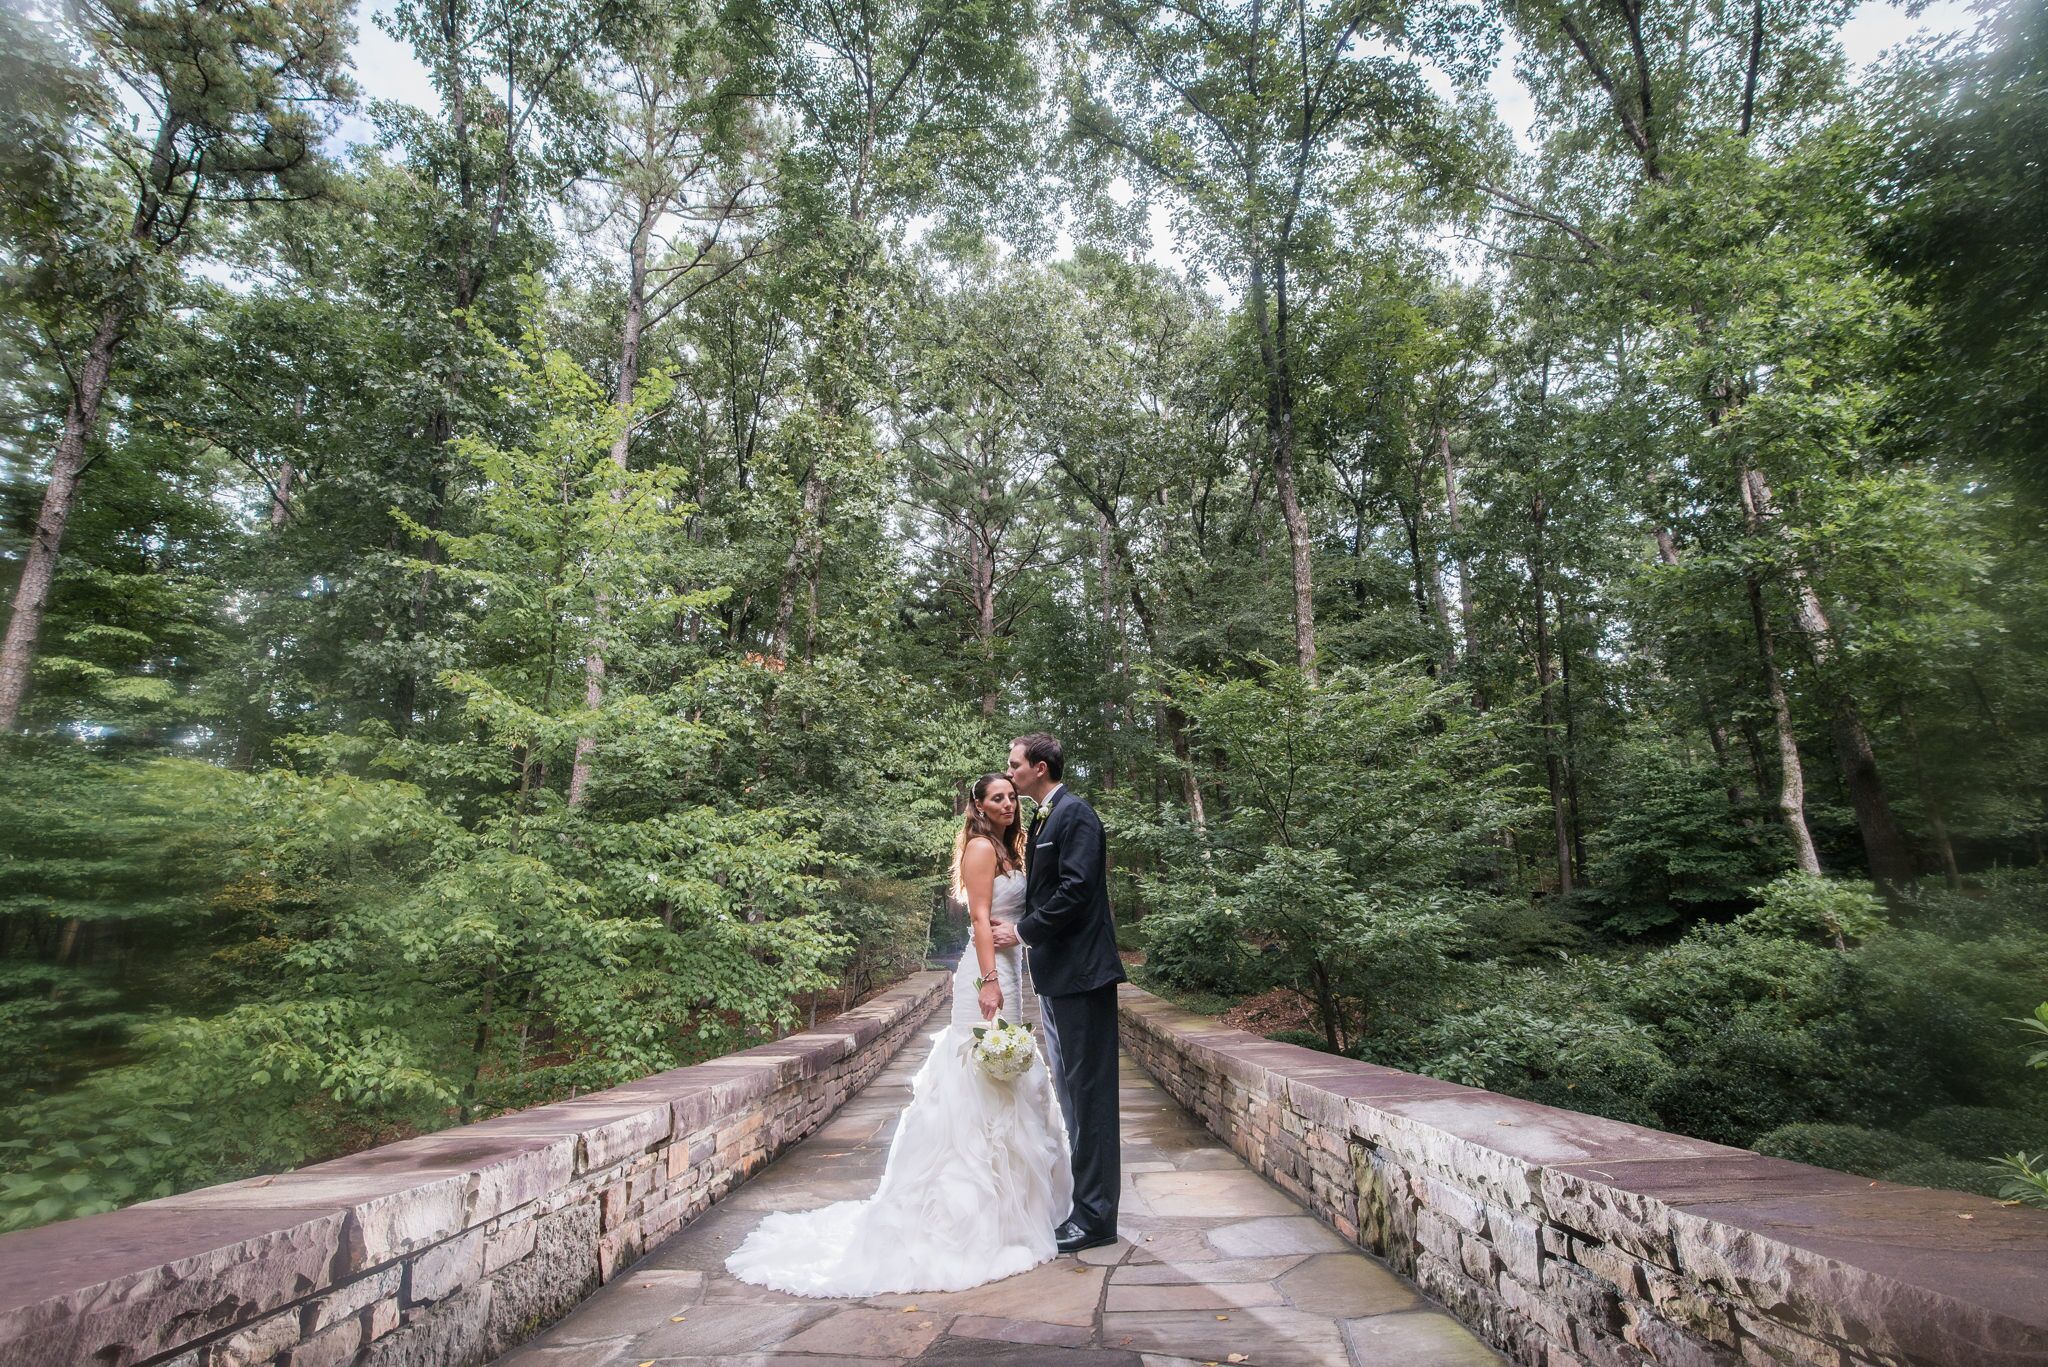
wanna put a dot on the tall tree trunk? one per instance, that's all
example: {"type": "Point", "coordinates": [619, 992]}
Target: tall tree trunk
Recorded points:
{"type": "Point", "coordinates": [1280, 445]}
{"type": "Point", "coordinates": [1106, 598]}
{"type": "Point", "coordinates": [281, 497]}
{"type": "Point", "coordinates": [1891, 861]}
{"type": "Point", "coordinates": [1439, 600]}
{"type": "Point", "coordinates": [983, 568]}
{"type": "Point", "coordinates": [807, 553]}
{"type": "Point", "coordinates": [1453, 520]}
{"type": "Point", "coordinates": [811, 581]}
{"type": "Point", "coordinates": [67, 464]}
{"type": "Point", "coordinates": [1791, 773]}
{"type": "Point", "coordinates": [622, 395]}
{"type": "Point", "coordinates": [467, 283]}
{"type": "Point", "coordinates": [1190, 786]}
{"type": "Point", "coordinates": [1174, 721]}
{"type": "Point", "coordinates": [1937, 814]}
{"type": "Point", "coordinates": [281, 491]}
{"type": "Point", "coordinates": [1411, 527]}
{"type": "Point", "coordinates": [1717, 733]}
{"type": "Point", "coordinates": [1552, 768]}
{"type": "Point", "coordinates": [1326, 1005]}
{"type": "Point", "coordinates": [1571, 748]}
{"type": "Point", "coordinates": [1753, 746]}
{"type": "Point", "coordinates": [803, 553]}
{"type": "Point", "coordinates": [1428, 594]}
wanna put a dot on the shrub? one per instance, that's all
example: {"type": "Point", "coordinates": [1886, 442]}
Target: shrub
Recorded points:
{"type": "Point", "coordinates": [1755, 1075]}
{"type": "Point", "coordinates": [1949, 1174]}
{"type": "Point", "coordinates": [1847, 1148]}
{"type": "Point", "coordinates": [1522, 932]}
{"type": "Point", "coordinates": [1545, 1036]}
{"type": "Point", "coordinates": [1670, 846]}
{"type": "Point", "coordinates": [1928, 1004]}
{"type": "Point", "coordinates": [1805, 906]}
{"type": "Point", "coordinates": [1192, 941]}
{"type": "Point", "coordinates": [1979, 1132]}
{"type": "Point", "coordinates": [1361, 802]}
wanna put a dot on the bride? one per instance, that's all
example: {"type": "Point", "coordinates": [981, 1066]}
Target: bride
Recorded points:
{"type": "Point", "coordinates": [977, 1176]}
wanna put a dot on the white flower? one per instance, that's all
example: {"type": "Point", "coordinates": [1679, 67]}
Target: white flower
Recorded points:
{"type": "Point", "coordinates": [1004, 1051]}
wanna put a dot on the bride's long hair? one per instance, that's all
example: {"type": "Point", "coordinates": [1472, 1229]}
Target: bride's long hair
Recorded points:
{"type": "Point", "coordinates": [1009, 844]}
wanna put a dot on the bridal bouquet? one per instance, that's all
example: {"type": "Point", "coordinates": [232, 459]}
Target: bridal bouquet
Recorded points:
{"type": "Point", "coordinates": [1004, 1051]}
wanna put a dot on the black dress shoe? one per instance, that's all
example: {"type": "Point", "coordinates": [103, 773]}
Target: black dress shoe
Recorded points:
{"type": "Point", "coordinates": [1071, 1238]}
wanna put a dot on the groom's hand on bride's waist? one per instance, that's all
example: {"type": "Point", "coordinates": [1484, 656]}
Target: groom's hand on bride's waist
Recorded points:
{"type": "Point", "coordinates": [1004, 935]}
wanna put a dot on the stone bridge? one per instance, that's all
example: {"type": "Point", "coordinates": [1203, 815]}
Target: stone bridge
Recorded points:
{"type": "Point", "coordinates": [1281, 1206]}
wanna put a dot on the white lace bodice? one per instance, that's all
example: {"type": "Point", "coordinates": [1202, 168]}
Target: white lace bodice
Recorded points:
{"type": "Point", "coordinates": [1006, 900]}
{"type": "Point", "coordinates": [1006, 903]}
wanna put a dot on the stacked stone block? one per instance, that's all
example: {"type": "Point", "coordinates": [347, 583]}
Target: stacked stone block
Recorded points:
{"type": "Point", "coordinates": [440, 1251]}
{"type": "Point", "coordinates": [1567, 1240]}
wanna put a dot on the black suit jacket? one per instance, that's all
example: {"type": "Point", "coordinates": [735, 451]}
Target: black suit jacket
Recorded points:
{"type": "Point", "coordinates": [1067, 921]}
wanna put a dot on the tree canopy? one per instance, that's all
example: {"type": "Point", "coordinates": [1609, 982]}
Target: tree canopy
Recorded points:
{"type": "Point", "coordinates": [512, 601]}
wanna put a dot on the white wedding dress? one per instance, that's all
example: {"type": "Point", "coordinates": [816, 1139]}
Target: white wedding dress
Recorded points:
{"type": "Point", "coordinates": [976, 1180]}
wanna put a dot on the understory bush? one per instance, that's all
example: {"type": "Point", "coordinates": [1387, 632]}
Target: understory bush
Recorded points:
{"type": "Point", "coordinates": [1953, 1174]}
{"type": "Point", "coordinates": [1885, 1057]}
{"type": "Point", "coordinates": [1670, 848]}
{"type": "Point", "coordinates": [1353, 893]}
{"type": "Point", "coordinates": [1846, 1148]}
{"type": "Point", "coordinates": [1978, 1131]}
{"type": "Point", "coordinates": [1193, 941]}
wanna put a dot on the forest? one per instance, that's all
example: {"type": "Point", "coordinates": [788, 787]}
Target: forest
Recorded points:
{"type": "Point", "coordinates": [504, 593]}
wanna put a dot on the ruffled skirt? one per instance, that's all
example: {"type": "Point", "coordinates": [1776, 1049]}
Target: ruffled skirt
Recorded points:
{"type": "Point", "coordinates": [977, 1178]}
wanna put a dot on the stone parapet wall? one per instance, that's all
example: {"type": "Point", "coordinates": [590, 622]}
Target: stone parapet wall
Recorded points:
{"type": "Point", "coordinates": [1566, 1240]}
{"type": "Point", "coordinates": [439, 1251]}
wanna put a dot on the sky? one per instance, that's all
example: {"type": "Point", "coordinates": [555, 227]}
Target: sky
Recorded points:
{"type": "Point", "coordinates": [386, 70]}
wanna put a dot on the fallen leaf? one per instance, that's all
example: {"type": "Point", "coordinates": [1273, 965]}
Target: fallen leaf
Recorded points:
{"type": "Point", "coordinates": [1223, 1317]}
{"type": "Point", "coordinates": [1237, 1357]}
{"type": "Point", "coordinates": [677, 1319]}
{"type": "Point", "coordinates": [910, 1310]}
{"type": "Point", "coordinates": [1966, 1217]}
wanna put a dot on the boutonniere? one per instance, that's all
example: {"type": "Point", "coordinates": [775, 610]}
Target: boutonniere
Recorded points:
{"type": "Point", "coordinates": [1044, 812]}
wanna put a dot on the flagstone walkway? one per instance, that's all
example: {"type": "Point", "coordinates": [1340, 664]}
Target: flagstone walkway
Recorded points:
{"type": "Point", "coordinates": [1216, 1265]}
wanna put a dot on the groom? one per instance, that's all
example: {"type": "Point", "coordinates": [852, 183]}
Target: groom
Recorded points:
{"type": "Point", "coordinates": [1075, 968]}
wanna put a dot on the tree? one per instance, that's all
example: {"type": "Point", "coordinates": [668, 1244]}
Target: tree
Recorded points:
{"type": "Point", "coordinates": [677, 182]}
{"type": "Point", "coordinates": [513, 131]}
{"type": "Point", "coordinates": [1343, 878]}
{"type": "Point", "coordinates": [234, 101]}
{"type": "Point", "coordinates": [970, 467]}
{"type": "Point", "coordinates": [1683, 103]}
{"type": "Point", "coordinates": [902, 107]}
{"type": "Point", "coordinates": [1249, 117]}
{"type": "Point", "coordinates": [1958, 208]}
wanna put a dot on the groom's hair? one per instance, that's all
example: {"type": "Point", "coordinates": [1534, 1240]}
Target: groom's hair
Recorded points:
{"type": "Point", "coordinates": [1041, 747]}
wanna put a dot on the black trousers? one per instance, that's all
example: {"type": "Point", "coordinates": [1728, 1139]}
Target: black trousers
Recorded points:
{"type": "Point", "coordinates": [1081, 1033]}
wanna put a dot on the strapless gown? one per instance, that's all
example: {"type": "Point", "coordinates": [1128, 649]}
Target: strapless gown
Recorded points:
{"type": "Point", "coordinates": [977, 1175]}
